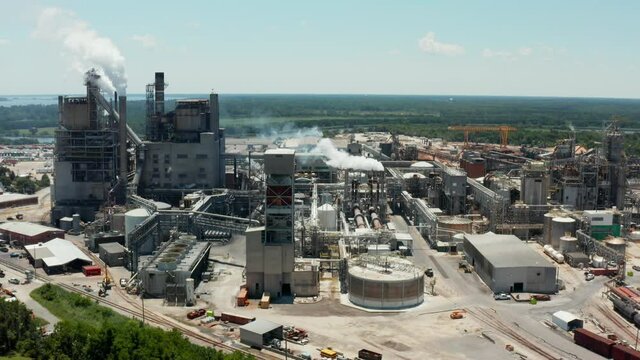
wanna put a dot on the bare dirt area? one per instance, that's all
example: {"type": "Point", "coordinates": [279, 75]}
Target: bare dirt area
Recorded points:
{"type": "Point", "coordinates": [33, 213]}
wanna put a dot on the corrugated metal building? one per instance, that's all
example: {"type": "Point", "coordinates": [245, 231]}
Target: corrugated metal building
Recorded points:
{"type": "Point", "coordinates": [506, 264]}
{"type": "Point", "coordinates": [26, 233]}
{"type": "Point", "coordinates": [113, 254]}
{"type": "Point", "coordinates": [57, 255]}
{"type": "Point", "coordinates": [260, 332]}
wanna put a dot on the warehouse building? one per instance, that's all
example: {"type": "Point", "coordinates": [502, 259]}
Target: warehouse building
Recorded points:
{"type": "Point", "coordinates": [25, 233]}
{"type": "Point", "coordinates": [113, 254]}
{"type": "Point", "coordinates": [57, 256]}
{"type": "Point", "coordinates": [506, 264]}
{"type": "Point", "coordinates": [8, 200]}
{"type": "Point", "coordinates": [260, 332]}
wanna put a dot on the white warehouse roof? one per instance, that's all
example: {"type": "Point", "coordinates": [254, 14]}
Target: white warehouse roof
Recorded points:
{"type": "Point", "coordinates": [506, 250]}
{"type": "Point", "coordinates": [260, 326]}
{"type": "Point", "coordinates": [56, 252]}
{"type": "Point", "coordinates": [26, 228]}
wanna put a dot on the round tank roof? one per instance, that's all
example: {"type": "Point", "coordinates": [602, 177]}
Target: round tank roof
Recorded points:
{"type": "Point", "coordinates": [615, 241]}
{"type": "Point", "coordinates": [412, 175]}
{"type": "Point", "coordinates": [326, 207]}
{"type": "Point", "coordinates": [383, 268]}
{"type": "Point", "coordinates": [562, 219]}
{"type": "Point", "coordinates": [140, 212]}
{"type": "Point", "coordinates": [422, 164]}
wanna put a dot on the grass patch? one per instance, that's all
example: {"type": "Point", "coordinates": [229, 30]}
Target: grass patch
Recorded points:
{"type": "Point", "coordinates": [68, 306]}
{"type": "Point", "coordinates": [40, 322]}
{"type": "Point", "coordinates": [14, 357]}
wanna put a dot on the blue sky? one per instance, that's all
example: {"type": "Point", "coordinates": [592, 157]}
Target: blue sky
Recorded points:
{"type": "Point", "coordinates": [537, 48]}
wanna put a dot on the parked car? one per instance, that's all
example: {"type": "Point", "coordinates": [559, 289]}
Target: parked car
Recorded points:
{"type": "Point", "coordinates": [14, 281]}
{"type": "Point", "coordinates": [541, 297]}
{"type": "Point", "coordinates": [196, 313]}
{"type": "Point", "coordinates": [589, 277]}
{"type": "Point", "coordinates": [4, 249]}
{"type": "Point", "coordinates": [636, 267]}
{"type": "Point", "coordinates": [429, 272]}
{"type": "Point", "coordinates": [15, 254]}
{"type": "Point", "coordinates": [502, 296]}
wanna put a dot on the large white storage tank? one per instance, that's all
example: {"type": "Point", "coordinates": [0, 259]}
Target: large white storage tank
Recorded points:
{"type": "Point", "coordinates": [327, 217]}
{"type": "Point", "coordinates": [568, 244]}
{"type": "Point", "coordinates": [561, 226]}
{"type": "Point", "coordinates": [133, 218]}
{"type": "Point", "coordinates": [617, 244]}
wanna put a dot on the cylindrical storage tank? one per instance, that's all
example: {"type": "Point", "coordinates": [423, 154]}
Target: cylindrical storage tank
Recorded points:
{"type": "Point", "coordinates": [568, 244]}
{"type": "Point", "coordinates": [548, 217]}
{"type": "Point", "coordinates": [557, 256]}
{"type": "Point", "coordinates": [190, 289]}
{"type": "Point", "coordinates": [327, 217]}
{"type": "Point", "coordinates": [617, 244]}
{"type": "Point", "coordinates": [390, 283]}
{"type": "Point", "coordinates": [561, 226]}
{"type": "Point", "coordinates": [548, 249]}
{"type": "Point", "coordinates": [634, 235]}
{"type": "Point", "coordinates": [132, 218]}
{"type": "Point", "coordinates": [455, 223]}
{"type": "Point", "coordinates": [76, 222]}
{"type": "Point", "coordinates": [117, 222]}
{"type": "Point", "coordinates": [597, 261]}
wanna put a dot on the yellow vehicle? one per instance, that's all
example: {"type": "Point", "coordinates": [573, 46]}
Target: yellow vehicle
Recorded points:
{"type": "Point", "coordinates": [328, 353]}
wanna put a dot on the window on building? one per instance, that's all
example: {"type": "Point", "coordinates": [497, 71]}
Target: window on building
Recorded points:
{"type": "Point", "coordinates": [182, 176]}
{"type": "Point", "coordinates": [182, 156]}
{"type": "Point", "coordinates": [201, 156]}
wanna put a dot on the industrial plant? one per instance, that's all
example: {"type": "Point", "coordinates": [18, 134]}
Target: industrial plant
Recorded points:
{"type": "Point", "coordinates": [372, 221]}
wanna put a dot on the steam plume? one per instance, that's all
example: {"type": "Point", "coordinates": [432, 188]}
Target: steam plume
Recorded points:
{"type": "Point", "coordinates": [86, 48]}
{"type": "Point", "coordinates": [342, 160]}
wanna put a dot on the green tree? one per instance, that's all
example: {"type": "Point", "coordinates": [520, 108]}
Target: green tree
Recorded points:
{"type": "Point", "coordinates": [44, 181]}
{"type": "Point", "coordinates": [25, 185]}
{"type": "Point", "coordinates": [16, 325]}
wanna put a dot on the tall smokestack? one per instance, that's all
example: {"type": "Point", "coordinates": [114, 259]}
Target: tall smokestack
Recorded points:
{"type": "Point", "coordinates": [214, 110]}
{"type": "Point", "coordinates": [159, 93]}
{"type": "Point", "coordinates": [122, 135]}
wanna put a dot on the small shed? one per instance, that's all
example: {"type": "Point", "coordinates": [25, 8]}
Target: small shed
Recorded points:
{"type": "Point", "coordinates": [566, 320]}
{"type": "Point", "coordinates": [260, 332]}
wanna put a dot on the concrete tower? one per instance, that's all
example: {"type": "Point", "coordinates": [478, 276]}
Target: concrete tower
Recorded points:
{"type": "Point", "coordinates": [270, 254]}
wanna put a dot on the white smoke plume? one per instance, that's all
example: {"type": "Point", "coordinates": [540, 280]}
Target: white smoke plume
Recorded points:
{"type": "Point", "coordinates": [343, 160]}
{"type": "Point", "coordinates": [86, 48]}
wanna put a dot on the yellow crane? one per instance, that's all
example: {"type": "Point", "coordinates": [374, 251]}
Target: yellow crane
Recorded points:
{"type": "Point", "coordinates": [503, 129]}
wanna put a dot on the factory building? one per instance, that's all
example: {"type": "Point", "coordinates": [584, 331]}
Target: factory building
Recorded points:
{"type": "Point", "coordinates": [90, 156]}
{"type": "Point", "coordinates": [506, 264]}
{"type": "Point", "coordinates": [25, 233]}
{"type": "Point", "coordinates": [260, 333]}
{"type": "Point", "coordinates": [176, 270]}
{"type": "Point", "coordinates": [184, 148]}
{"type": "Point", "coordinates": [270, 249]}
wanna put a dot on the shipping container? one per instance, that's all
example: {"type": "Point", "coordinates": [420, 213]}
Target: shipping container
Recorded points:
{"type": "Point", "coordinates": [365, 354]}
{"type": "Point", "coordinates": [603, 271]}
{"type": "Point", "coordinates": [242, 297]}
{"type": "Point", "coordinates": [621, 352]}
{"type": "Point", "coordinates": [265, 301]}
{"type": "Point", "coordinates": [91, 270]}
{"type": "Point", "coordinates": [236, 319]}
{"type": "Point", "coordinates": [593, 342]}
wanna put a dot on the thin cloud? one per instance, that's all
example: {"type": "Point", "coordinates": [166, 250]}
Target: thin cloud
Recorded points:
{"type": "Point", "coordinates": [146, 40]}
{"type": "Point", "coordinates": [4, 41]}
{"type": "Point", "coordinates": [430, 45]}
{"type": "Point", "coordinates": [507, 54]}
